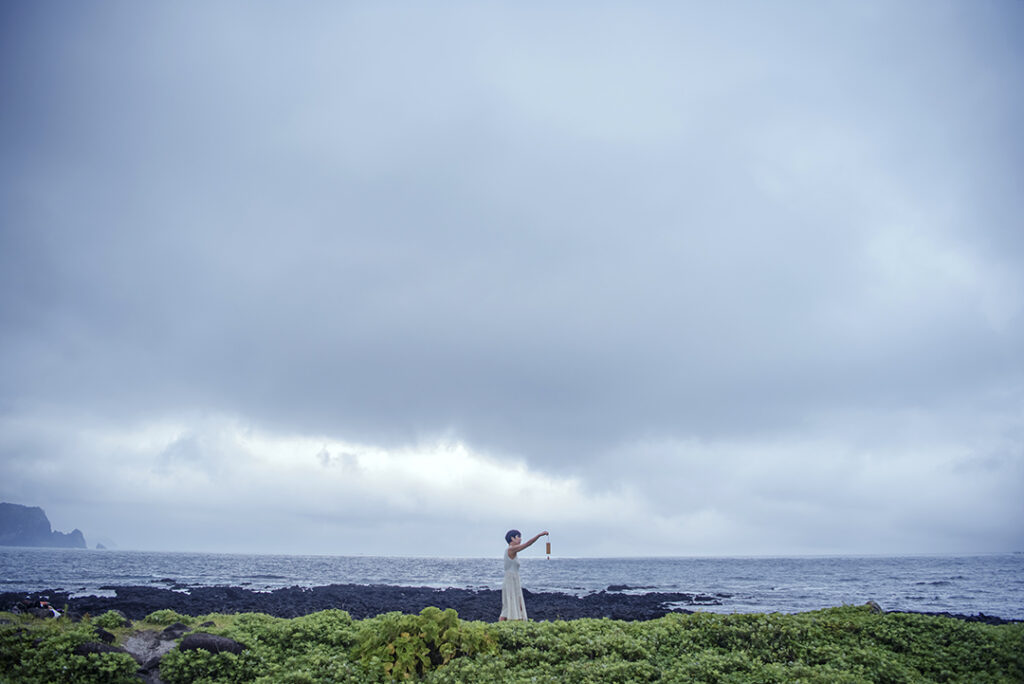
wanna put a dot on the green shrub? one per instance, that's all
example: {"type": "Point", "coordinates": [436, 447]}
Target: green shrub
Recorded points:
{"type": "Point", "coordinates": [311, 648]}
{"type": "Point", "coordinates": [318, 665]}
{"type": "Point", "coordinates": [168, 617]}
{"type": "Point", "coordinates": [110, 620]}
{"type": "Point", "coordinates": [44, 653]}
{"type": "Point", "coordinates": [202, 667]}
{"type": "Point", "coordinates": [332, 628]}
{"type": "Point", "coordinates": [403, 646]}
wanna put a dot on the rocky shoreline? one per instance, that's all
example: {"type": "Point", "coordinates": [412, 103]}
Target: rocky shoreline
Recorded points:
{"type": "Point", "coordinates": [362, 601]}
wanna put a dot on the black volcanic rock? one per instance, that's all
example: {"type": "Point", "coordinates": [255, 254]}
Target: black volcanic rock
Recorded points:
{"type": "Point", "coordinates": [362, 601]}
{"type": "Point", "coordinates": [29, 526]}
{"type": "Point", "coordinates": [211, 643]}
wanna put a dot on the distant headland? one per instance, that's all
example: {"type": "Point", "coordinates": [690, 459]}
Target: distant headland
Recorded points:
{"type": "Point", "coordinates": [29, 526]}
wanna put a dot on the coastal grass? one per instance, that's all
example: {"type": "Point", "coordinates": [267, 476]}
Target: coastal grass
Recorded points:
{"type": "Point", "coordinates": [847, 644]}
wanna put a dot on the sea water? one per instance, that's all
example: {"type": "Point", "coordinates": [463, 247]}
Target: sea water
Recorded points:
{"type": "Point", "coordinates": [992, 584]}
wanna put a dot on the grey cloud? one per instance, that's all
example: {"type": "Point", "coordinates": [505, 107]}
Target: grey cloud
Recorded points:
{"type": "Point", "coordinates": [553, 233]}
{"type": "Point", "coordinates": [345, 460]}
{"type": "Point", "coordinates": [187, 449]}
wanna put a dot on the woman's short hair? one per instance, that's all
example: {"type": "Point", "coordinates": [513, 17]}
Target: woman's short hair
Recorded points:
{"type": "Point", "coordinates": [512, 533]}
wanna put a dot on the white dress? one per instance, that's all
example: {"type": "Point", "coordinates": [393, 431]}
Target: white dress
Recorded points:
{"type": "Point", "coordinates": [512, 605]}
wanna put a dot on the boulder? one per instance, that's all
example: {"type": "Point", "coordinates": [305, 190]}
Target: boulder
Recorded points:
{"type": "Point", "coordinates": [175, 631]}
{"type": "Point", "coordinates": [211, 643]}
{"type": "Point", "coordinates": [43, 612]}
{"type": "Point", "coordinates": [147, 645]}
{"type": "Point", "coordinates": [149, 673]}
{"type": "Point", "coordinates": [96, 647]}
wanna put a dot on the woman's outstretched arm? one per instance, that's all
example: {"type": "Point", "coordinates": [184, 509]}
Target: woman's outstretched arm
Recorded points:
{"type": "Point", "coordinates": [513, 549]}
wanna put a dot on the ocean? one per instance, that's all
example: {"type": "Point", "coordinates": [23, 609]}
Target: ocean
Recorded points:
{"type": "Point", "coordinates": [992, 584]}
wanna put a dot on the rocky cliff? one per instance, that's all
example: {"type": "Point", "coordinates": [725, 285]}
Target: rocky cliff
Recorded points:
{"type": "Point", "coordinates": [29, 526]}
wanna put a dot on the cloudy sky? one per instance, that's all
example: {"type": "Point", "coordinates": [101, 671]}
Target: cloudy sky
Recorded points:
{"type": "Point", "coordinates": [390, 278]}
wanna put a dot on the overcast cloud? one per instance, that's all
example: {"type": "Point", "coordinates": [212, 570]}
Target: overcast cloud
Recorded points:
{"type": "Point", "coordinates": [662, 278]}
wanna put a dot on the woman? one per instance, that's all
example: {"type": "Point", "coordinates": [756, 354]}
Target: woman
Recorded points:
{"type": "Point", "coordinates": [512, 606]}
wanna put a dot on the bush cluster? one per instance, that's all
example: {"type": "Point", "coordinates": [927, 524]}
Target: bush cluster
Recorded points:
{"type": "Point", "coordinates": [848, 644]}
{"type": "Point", "coordinates": [110, 620]}
{"type": "Point", "coordinates": [45, 652]}
{"type": "Point", "coordinates": [403, 646]}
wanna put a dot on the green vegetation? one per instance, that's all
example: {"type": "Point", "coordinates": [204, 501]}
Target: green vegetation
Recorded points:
{"type": "Point", "coordinates": [168, 617]}
{"type": "Point", "coordinates": [406, 645]}
{"type": "Point", "coordinates": [849, 644]}
{"type": "Point", "coordinates": [34, 650]}
{"type": "Point", "coordinates": [110, 620]}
